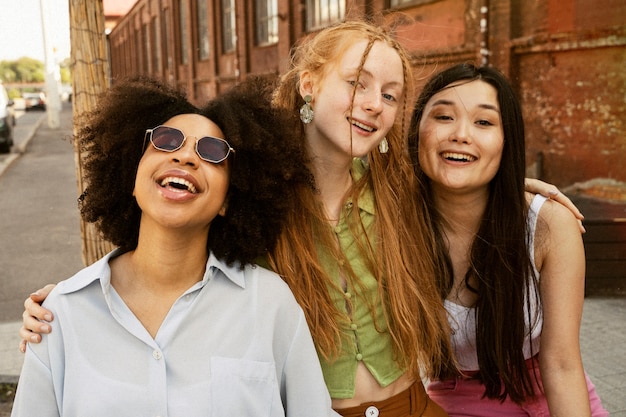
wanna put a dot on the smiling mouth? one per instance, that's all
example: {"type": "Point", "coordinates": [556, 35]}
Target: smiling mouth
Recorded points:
{"type": "Point", "coordinates": [362, 126]}
{"type": "Point", "coordinates": [458, 157]}
{"type": "Point", "coordinates": [178, 183]}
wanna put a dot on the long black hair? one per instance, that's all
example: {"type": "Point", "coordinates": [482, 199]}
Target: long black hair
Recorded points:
{"type": "Point", "coordinates": [500, 264]}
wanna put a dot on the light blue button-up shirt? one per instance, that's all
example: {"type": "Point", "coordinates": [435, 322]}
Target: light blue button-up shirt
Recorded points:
{"type": "Point", "coordinates": [235, 344]}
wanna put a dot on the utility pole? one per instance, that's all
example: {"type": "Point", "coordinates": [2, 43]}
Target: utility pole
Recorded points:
{"type": "Point", "coordinates": [52, 75]}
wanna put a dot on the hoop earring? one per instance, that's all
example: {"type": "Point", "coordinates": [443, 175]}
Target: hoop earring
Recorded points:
{"type": "Point", "coordinates": [306, 112]}
{"type": "Point", "coordinates": [383, 146]}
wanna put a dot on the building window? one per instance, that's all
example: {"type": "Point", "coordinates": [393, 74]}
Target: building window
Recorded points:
{"type": "Point", "coordinates": [266, 22]}
{"type": "Point", "coordinates": [156, 46]}
{"type": "Point", "coordinates": [321, 13]}
{"type": "Point", "coordinates": [203, 30]}
{"type": "Point", "coordinates": [402, 3]}
{"type": "Point", "coordinates": [184, 25]}
{"type": "Point", "coordinates": [145, 39]}
{"type": "Point", "coordinates": [229, 36]}
{"type": "Point", "coordinates": [166, 38]}
{"type": "Point", "coordinates": [138, 55]}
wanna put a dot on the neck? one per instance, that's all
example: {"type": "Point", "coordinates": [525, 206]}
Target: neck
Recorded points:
{"type": "Point", "coordinates": [460, 211]}
{"type": "Point", "coordinates": [333, 180]}
{"type": "Point", "coordinates": [461, 214]}
{"type": "Point", "coordinates": [330, 165]}
{"type": "Point", "coordinates": [165, 264]}
{"type": "Point", "coordinates": [167, 260]}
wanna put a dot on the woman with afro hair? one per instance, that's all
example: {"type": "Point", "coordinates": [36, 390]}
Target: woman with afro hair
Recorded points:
{"type": "Point", "coordinates": [177, 320]}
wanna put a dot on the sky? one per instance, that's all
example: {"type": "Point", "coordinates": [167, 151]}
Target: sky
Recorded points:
{"type": "Point", "coordinates": [21, 31]}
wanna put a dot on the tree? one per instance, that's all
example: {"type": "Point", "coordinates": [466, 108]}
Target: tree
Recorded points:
{"type": "Point", "coordinates": [90, 65]}
{"type": "Point", "coordinates": [66, 73]}
{"type": "Point", "coordinates": [22, 70]}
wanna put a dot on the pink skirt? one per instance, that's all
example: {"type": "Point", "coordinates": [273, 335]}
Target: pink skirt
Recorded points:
{"type": "Point", "coordinates": [464, 397]}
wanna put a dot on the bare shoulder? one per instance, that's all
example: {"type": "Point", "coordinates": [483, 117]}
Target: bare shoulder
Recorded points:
{"type": "Point", "coordinates": [557, 232]}
{"type": "Point", "coordinates": [555, 214]}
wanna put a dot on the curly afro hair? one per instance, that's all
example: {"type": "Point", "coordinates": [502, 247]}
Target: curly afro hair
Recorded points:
{"type": "Point", "coordinates": [267, 168]}
{"type": "Point", "coordinates": [112, 144]}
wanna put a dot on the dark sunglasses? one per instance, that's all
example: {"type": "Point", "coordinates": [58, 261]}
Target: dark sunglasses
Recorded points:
{"type": "Point", "coordinates": [170, 139]}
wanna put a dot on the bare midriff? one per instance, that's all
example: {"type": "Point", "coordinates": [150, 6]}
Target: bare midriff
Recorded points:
{"type": "Point", "coordinates": [368, 389]}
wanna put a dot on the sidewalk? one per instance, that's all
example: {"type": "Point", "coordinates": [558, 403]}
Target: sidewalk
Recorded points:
{"type": "Point", "coordinates": [603, 333]}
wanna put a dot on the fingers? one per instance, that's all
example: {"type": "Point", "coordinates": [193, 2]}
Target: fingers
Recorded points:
{"type": "Point", "coordinates": [556, 195]}
{"type": "Point", "coordinates": [34, 323]}
{"type": "Point", "coordinates": [536, 186]}
{"type": "Point", "coordinates": [41, 294]}
{"type": "Point", "coordinates": [29, 332]}
{"type": "Point", "coordinates": [32, 308]}
{"type": "Point", "coordinates": [27, 336]}
{"type": "Point", "coordinates": [561, 198]}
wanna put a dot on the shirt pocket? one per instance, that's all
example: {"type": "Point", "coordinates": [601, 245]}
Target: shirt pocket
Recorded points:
{"type": "Point", "coordinates": [241, 387]}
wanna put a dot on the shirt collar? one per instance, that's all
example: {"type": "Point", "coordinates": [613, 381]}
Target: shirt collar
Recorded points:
{"type": "Point", "coordinates": [233, 272]}
{"type": "Point", "coordinates": [101, 271]}
{"type": "Point", "coordinates": [366, 199]}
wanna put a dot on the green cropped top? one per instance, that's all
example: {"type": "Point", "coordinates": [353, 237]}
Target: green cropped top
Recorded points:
{"type": "Point", "coordinates": [364, 340]}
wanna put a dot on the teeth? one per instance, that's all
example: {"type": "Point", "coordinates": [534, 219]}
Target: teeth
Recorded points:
{"type": "Point", "coordinates": [362, 126]}
{"type": "Point", "coordinates": [177, 182]}
{"type": "Point", "coordinates": [458, 156]}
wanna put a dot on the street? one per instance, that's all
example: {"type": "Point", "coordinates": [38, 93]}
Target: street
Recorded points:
{"type": "Point", "coordinates": [39, 228]}
{"type": "Point", "coordinates": [40, 232]}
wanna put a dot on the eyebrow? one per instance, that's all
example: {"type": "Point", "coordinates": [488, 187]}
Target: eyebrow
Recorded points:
{"type": "Point", "coordinates": [369, 74]}
{"type": "Point", "coordinates": [444, 102]}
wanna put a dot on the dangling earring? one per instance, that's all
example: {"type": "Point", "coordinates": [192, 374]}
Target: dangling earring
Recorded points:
{"type": "Point", "coordinates": [383, 146]}
{"type": "Point", "coordinates": [306, 112]}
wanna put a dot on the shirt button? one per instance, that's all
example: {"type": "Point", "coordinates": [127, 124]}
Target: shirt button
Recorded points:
{"type": "Point", "coordinates": [348, 294]}
{"type": "Point", "coordinates": [371, 411]}
{"type": "Point", "coordinates": [156, 354]}
{"type": "Point", "coordinates": [354, 326]}
{"type": "Point", "coordinates": [359, 357]}
{"type": "Point", "coordinates": [337, 229]}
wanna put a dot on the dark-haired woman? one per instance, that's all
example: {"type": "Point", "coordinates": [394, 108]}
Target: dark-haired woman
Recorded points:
{"type": "Point", "coordinates": [512, 267]}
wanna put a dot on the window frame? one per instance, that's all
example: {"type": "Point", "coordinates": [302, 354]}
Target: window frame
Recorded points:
{"type": "Point", "coordinates": [229, 28]}
{"type": "Point", "coordinates": [266, 22]}
{"type": "Point", "coordinates": [183, 32]}
{"type": "Point", "coordinates": [318, 18]}
{"type": "Point", "coordinates": [399, 4]}
{"type": "Point", "coordinates": [204, 41]}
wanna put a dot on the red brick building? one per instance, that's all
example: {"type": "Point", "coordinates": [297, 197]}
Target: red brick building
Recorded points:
{"type": "Point", "coordinates": [566, 58]}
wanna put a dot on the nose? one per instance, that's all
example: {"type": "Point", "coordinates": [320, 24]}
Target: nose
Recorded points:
{"type": "Point", "coordinates": [461, 132]}
{"type": "Point", "coordinates": [373, 102]}
{"type": "Point", "coordinates": [187, 155]}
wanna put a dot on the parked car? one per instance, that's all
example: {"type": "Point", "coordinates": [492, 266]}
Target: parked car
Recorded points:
{"type": "Point", "coordinates": [34, 101]}
{"type": "Point", "coordinates": [7, 121]}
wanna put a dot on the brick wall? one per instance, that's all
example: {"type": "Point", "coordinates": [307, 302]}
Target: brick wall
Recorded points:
{"type": "Point", "coordinates": [566, 59]}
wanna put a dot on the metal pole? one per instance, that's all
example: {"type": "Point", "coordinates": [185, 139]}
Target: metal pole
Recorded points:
{"type": "Point", "coordinates": [52, 76]}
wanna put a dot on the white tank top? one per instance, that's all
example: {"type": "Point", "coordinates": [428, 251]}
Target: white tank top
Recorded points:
{"type": "Point", "coordinates": [463, 320]}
